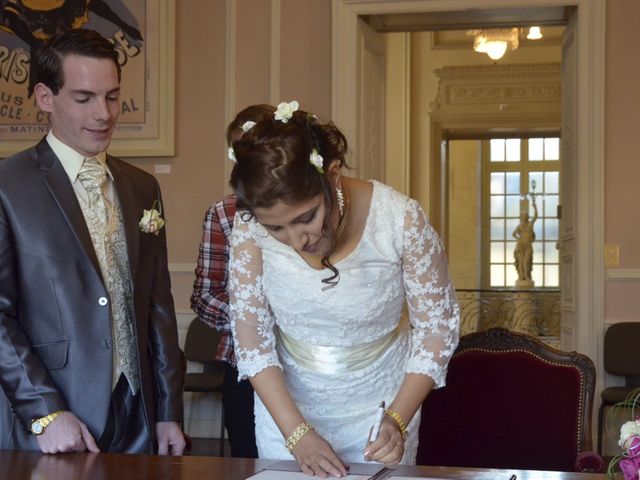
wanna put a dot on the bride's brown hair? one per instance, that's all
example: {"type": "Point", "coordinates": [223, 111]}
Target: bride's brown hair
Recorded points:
{"type": "Point", "coordinates": [272, 164]}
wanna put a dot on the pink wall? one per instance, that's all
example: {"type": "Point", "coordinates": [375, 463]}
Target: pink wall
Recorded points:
{"type": "Point", "coordinates": [197, 168]}
{"type": "Point", "coordinates": [197, 177]}
{"type": "Point", "coordinates": [305, 58]}
{"type": "Point", "coordinates": [622, 155]}
{"type": "Point", "coordinates": [253, 52]}
{"type": "Point", "coordinates": [622, 131]}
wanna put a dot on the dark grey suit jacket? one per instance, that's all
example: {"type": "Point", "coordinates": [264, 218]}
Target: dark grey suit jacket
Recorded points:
{"type": "Point", "coordinates": [55, 336]}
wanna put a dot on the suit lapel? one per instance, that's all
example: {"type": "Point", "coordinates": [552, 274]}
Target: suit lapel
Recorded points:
{"type": "Point", "coordinates": [130, 212]}
{"type": "Point", "coordinates": [57, 181]}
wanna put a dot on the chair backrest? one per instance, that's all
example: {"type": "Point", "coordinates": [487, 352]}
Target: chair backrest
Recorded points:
{"type": "Point", "coordinates": [621, 352]}
{"type": "Point", "coordinates": [201, 342]}
{"type": "Point", "coordinates": [510, 402]}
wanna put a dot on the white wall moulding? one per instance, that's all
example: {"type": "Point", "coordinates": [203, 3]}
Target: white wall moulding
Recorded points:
{"type": "Point", "coordinates": [182, 268]}
{"type": "Point", "coordinates": [623, 274]}
{"type": "Point", "coordinates": [568, 274]}
{"type": "Point", "coordinates": [230, 80]}
{"type": "Point", "coordinates": [568, 342]}
{"type": "Point", "coordinates": [276, 14]}
{"type": "Point", "coordinates": [502, 92]}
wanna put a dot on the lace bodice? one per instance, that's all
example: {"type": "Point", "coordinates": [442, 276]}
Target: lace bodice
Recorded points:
{"type": "Point", "coordinates": [399, 257]}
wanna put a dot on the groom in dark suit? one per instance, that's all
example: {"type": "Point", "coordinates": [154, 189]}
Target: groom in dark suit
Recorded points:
{"type": "Point", "coordinates": [89, 356]}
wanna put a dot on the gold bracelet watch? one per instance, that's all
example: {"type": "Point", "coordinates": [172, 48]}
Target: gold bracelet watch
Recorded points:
{"type": "Point", "coordinates": [39, 424]}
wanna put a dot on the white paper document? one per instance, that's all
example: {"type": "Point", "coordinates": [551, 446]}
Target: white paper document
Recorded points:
{"type": "Point", "coordinates": [288, 470]}
{"type": "Point", "coordinates": [393, 477]}
{"type": "Point", "coordinates": [280, 475]}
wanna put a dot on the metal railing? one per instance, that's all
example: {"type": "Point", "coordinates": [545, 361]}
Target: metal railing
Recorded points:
{"type": "Point", "coordinates": [536, 312]}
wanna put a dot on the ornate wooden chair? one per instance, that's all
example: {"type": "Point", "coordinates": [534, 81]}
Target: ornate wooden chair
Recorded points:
{"type": "Point", "coordinates": [510, 402]}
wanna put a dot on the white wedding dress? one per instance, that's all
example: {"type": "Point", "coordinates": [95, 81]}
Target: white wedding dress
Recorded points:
{"type": "Point", "coordinates": [330, 372]}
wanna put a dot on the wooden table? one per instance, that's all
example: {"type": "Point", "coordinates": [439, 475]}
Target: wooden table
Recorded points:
{"type": "Point", "coordinates": [17, 465]}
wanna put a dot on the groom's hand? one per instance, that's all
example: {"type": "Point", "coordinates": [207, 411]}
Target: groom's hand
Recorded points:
{"type": "Point", "coordinates": [66, 434]}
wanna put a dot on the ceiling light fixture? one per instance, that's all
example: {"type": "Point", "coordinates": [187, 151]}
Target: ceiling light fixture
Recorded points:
{"type": "Point", "coordinates": [534, 33]}
{"type": "Point", "coordinates": [496, 41]}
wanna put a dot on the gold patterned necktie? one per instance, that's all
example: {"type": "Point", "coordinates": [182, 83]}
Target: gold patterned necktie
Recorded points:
{"type": "Point", "coordinates": [93, 177]}
{"type": "Point", "coordinates": [109, 243]}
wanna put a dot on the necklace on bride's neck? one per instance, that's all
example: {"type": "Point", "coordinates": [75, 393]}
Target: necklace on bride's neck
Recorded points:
{"type": "Point", "coordinates": [342, 224]}
{"type": "Point", "coordinates": [345, 217]}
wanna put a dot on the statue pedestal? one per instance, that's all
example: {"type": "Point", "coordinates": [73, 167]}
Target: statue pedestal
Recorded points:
{"type": "Point", "coordinates": [524, 284]}
{"type": "Point", "coordinates": [525, 309]}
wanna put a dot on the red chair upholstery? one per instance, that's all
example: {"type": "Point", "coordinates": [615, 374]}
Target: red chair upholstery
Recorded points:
{"type": "Point", "coordinates": [510, 402]}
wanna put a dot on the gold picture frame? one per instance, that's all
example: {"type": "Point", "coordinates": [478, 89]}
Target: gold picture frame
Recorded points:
{"type": "Point", "coordinates": [143, 32]}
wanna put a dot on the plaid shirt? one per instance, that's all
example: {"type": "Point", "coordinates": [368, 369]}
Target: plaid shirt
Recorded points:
{"type": "Point", "coordinates": [209, 298]}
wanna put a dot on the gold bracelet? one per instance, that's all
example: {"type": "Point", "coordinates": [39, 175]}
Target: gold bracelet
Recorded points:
{"type": "Point", "coordinates": [398, 419]}
{"type": "Point", "coordinates": [297, 434]}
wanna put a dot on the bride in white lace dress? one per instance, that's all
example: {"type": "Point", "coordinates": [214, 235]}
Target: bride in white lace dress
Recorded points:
{"type": "Point", "coordinates": [321, 266]}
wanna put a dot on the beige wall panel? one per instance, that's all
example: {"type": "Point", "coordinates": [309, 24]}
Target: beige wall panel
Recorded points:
{"type": "Point", "coordinates": [196, 177]}
{"type": "Point", "coordinates": [420, 178]}
{"type": "Point", "coordinates": [622, 163]}
{"type": "Point", "coordinates": [464, 220]}
{"type": "Point", "coordinates": [622, 202]}
{"type": "Point", "coordinates": [305, 55]}
{"type": "Point", "coordinates": [253, 52]}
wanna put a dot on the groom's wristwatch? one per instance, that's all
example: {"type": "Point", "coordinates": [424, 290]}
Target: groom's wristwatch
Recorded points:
{"type": "Point", "coordinates": [39, 424]}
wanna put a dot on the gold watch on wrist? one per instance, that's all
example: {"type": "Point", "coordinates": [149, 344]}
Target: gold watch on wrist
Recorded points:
{"type": "Point", "coordinates": [39, 424]}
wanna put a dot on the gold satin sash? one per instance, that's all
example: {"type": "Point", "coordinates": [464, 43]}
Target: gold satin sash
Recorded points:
{"type": "Point", "coordinates": [335, 359]}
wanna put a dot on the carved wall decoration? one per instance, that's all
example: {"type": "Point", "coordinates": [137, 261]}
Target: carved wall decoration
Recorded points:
{"type": "Point", "coordinates": [529, 92]}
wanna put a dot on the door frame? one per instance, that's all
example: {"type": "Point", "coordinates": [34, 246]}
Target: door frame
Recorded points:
{"type": "Point", "coordinates": [590, 114]}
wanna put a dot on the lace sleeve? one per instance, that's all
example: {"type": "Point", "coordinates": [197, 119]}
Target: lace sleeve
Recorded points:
{"type": "Point", "coordinates": [251, 318]}
{"type": "Point", "coordinates": [433, 307]}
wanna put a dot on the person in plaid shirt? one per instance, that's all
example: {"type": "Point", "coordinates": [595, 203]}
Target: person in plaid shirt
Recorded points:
{"type": "Point", "coordinates": [211, 302]}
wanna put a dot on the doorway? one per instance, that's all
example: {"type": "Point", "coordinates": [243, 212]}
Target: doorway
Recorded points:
{"type": "Point", "coordinates": [583, 117]}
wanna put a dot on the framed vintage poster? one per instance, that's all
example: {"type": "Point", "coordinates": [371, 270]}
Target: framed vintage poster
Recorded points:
{"type": "Point", "coordinates": [143, 33]}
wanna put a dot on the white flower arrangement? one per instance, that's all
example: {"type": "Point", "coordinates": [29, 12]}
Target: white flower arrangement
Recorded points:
{"type": "Point", "coordinates": [248, 125]}
{"type": "Point", "coordinates": [627, 462]}
{"type": "Point", "coordinates": [316, 160]}
{"type": "Point", "coordinates": [628, 430]}
{"type": "Point", "coordinates": [151, 221]}
{"type": "Point", "coordinates": [231, 154]}
{"type": "Point", "coordinates": [285, 111]}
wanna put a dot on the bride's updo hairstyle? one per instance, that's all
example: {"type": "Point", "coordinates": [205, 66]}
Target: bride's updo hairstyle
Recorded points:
{"type": "Point", "coordinates": [273, 164]}
{"type": "Point", "coordinates": [245, 119]}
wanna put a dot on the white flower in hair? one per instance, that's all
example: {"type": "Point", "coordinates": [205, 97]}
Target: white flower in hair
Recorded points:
{"type": "Point", "coordinates": [231, 154]}
{"type": "Point", "coordinates": [316, 160]}
{"type": "Point", "coordinates": [248, 125]}
{"type": "Point", "coordinates": [285, 111]}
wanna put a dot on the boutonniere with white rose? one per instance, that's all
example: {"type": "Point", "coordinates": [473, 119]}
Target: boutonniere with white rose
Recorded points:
{"type": "Point", "coordinates": [151, 221]}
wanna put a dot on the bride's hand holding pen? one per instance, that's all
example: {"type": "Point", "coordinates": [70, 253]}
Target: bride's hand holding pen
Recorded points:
{"type": "Point", "coordinates": [386, 439]}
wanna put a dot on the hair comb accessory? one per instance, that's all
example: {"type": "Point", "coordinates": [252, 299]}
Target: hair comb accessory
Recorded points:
{"type": "Point", "coordinates": [316, 160]}
{"type": "Point", "coordinates": [231, 154]}
{"type": "Point", "coordinates": [248, 125]}
{"type": "Point", "coordinates": [285, 111]}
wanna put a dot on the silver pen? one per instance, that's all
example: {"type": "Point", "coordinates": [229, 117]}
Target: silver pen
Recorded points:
{"type": "Point", "coordinates": [376, 426]}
